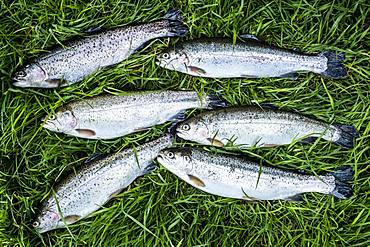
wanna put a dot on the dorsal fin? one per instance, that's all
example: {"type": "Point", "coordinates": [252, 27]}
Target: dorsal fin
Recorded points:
{"type": "Point", "coordinates": [249, 37]}
{"type": "Point", "coordinates": [94, 157]}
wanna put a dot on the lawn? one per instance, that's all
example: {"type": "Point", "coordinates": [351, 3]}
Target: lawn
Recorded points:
{"type": "Point", "coordinates": [159, 209]}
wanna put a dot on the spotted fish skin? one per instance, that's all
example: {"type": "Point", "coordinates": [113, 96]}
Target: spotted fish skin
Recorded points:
{"type": "Point", "coordinates": [264, 127]}
{"type": "Point", "coordinates": [78, 59]}
{"type": "Point", "coordinates": [237, 177]}
{"type": "Point", "coordinates": [220, 58]}
{"type": "Point", "coordinates": [95, 183]}
{"type": "Point", "coordinates": [112, 116]}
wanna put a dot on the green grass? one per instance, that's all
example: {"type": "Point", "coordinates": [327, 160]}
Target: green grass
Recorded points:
{"type": "Point", "coordinates": [159, 209]}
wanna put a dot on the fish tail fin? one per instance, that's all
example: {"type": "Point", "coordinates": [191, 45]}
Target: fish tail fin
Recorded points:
{"type": "Point", "coordinates": [173, 14]}
{"type": "Point", "coordinates": [214, 100]}
{"type": "Point", "coordinates": [176, 27]}
{"type": "Point", "coordinates": [342, 175]}
{"type": "Point", "coordinates": [335, 68]}
{"type": "Point", "coordinates": [347, 135]}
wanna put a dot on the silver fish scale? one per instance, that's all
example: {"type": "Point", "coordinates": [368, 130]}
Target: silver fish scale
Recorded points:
{"type": "Point", "coordinates": [248, 50]}
{"type": "Point", "coordinates": [97, 181]}
{"type": "Point", "coordinates": [255, 126]}
{"type": "Point", "coordinates": [219, 58]}
{"type": "Point", "coordinates": [85, 56]}
{"type": "Point", "coordinates": [144, 98]}
{"type": "Point", "coordinates": [111, 116]}
{"type": "Point", "coordinates": [243, 176]}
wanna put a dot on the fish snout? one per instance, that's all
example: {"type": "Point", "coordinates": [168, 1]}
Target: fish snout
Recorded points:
{"type": "Point", "coordinates": [20, 83]}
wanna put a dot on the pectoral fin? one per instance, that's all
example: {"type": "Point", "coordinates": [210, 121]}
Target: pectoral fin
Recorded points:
{"type": "Point", "coordinates": [86, 133]}
{"type": "Point", "coordinates": [197, 70]}
{"type": "Point", "coordinates": [70, 219]}
{"type": "Point", "coordinates": [196, 181]}
{"type": "Point", "coordinates": [215, 142]}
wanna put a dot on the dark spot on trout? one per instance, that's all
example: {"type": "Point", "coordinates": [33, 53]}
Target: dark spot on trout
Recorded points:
{"type": "Point", "coordinates": [215, 142]}
{"type": "Point", "coordinates": [70, 219]}
{"type": "Point", "coordinates": [197, 70]}
{"type": "Point", "coordinates": [196, 181]}
{"type": "Point", "coordinates": [86, 132]}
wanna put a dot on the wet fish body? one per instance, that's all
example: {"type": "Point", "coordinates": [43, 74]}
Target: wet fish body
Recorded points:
{"type": "Point", "coordinates": [95, 183]}
{"type": "Point", "coordinates": [220, 58]}
{"type": "Point", "coordinates": [65, 66]}
{"type": "Point", "coordinates": [265, 127]}
{"type": "Point", "coordinates": [237, 177]}
{"type": "Point", "coordinates": [111, 116]}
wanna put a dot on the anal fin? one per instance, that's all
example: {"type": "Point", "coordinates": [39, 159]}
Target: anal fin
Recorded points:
{"type": "Point", "coordinates": [307, 140]}
{"type": "Point", "coordinates": [292, 75]}
{"type": "Point", "coordinates": [295, 198]}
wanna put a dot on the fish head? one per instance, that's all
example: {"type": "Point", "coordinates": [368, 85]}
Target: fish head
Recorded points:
{"type": "Point", "coordinates": [194, 130]}
{"type": "Point", "coordinates": [176, 160]}
{"type": "Point", "coordinates": [47, 221]}
{"type": "Point", "coordinates": [173, 59]}
{"type": "Point", "coordinates": [63, 121]}
{"type": "Point", "coordinates": [32, 75]}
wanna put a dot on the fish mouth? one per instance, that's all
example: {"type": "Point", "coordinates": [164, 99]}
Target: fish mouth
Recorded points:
{"type": "Point", "coordinates": [161, 159]}
{"type": "Point", "coordinates": [21, 83]}
{"type": "Point", "coordinates": [49, 125]}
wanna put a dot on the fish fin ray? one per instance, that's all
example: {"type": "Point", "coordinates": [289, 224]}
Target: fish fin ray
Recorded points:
{"type": "Point", "coordinates": [197, 70]}
{"type": "Point", "coordinates": [70, 219]}
{"type": "Point", "coordinates": [197, 181]}
{"type": "Point", "coordinates": [307, 140]}
{"type": "Point", "coordinates": [180, 116]}
{"type": "Point", "coordinates": [216, 142]}
{"type": "Point", "coordinates": [86, 133]}
{"type": "Point", "coordinates": [347, 133]}
{"type": "Point", "coordinates": [249, 37]}
{"type": "Point", "coordinates": [215, 101]}
{"type": "Point", "coordinates": [292, 75]}
{"type": "Point", "coordinates": [94, 157]}
{"type": "Point", "coordinates": [295, 198]}
{"type": "Point", "coordinates": [269, 106]}
{"type": "Point", "coordinates": [149, 168]}
{"type": "Point", "coordinates": [93, 29]}
{"type": "Point", "coordinates": [176, 27]}
{"type": "Point", "coordinates": [335, 68]}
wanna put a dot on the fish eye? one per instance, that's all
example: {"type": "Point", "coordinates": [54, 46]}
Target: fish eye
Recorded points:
{"type": "Point", "coordinates": [21, 73]}
{"type": "Point", "coordinates": [170, 155]}
{"type": "Point", "coordinates": [52, 117]}
{"type": "Point", "coordinates": [35, 224]}
{"type": "Point", "coordinates": [165, 55]}
{"type": "Point", "coordinates": [185, 127]}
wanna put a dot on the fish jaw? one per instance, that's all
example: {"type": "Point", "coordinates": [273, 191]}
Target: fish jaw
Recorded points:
{"type": "Point", "coordinates": [33, 75]}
